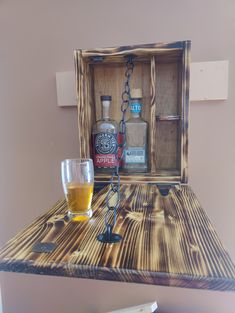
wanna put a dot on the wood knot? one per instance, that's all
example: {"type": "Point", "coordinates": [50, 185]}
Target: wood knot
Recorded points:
{"type": "Point", "coordinates": [136, 216]}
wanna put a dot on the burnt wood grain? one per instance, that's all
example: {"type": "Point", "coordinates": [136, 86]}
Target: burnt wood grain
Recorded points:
{"type": "Point", "coordinates": [185, 74]}
{"type": "Point", "coordinates": [153, 126]}
{"type": "Point", "coordinates": [167, 240]}
{"type": "Point", "coordinates": [169, 175]}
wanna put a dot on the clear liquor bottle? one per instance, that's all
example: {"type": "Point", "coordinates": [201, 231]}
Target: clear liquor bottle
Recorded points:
{"type": "Point", "coordinates": [104, 138]}
{"type": "Point", "coordinates": [135, 153]}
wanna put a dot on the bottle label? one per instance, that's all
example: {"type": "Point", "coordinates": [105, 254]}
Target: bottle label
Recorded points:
{"type": "Point", "coordinates": [135, 155]}
{"type": "Point", "coordinates": [105, 148]}
{"type": "Point", "coordinates": [136, 107]}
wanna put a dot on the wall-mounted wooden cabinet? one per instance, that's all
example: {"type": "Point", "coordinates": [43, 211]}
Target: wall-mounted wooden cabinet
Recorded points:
{"type": "Point", "coordinates": [162, 72]}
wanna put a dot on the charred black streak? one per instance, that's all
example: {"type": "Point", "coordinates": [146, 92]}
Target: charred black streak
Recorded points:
{"type": "Point", "coordinates": [43, 247]}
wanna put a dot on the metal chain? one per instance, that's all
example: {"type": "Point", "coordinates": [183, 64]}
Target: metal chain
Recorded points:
{"type": "Point", "coordinates": [115, 178]}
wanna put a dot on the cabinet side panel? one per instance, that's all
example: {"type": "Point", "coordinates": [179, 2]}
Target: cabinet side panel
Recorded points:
{"type": "Point", "coordinates": [83, 102]}
{"type": "Point", "coordinates": [185, 112]}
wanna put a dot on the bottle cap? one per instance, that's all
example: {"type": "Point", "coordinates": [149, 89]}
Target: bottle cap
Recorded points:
{"type": "Point", "coordinates": [136, 93]}
{"type": "Point", "coordinates": [105, 98]}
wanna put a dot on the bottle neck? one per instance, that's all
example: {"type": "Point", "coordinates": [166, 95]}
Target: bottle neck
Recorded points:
{"type": "Point", "coordinates": [105, 109]}
{"type": "Point", "coordinates": [135, 115]}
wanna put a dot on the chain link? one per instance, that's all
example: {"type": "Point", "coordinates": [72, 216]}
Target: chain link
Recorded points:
{"type": "Point", "coordinates": [111, 214]}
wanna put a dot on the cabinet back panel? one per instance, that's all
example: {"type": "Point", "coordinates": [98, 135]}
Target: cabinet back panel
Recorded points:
{"type": "Point", "coordinates": [167, 88]}
{"type": "Point", "coordinates": [168, 145]}
{"type": "Point", "coordinates": [109, 79]}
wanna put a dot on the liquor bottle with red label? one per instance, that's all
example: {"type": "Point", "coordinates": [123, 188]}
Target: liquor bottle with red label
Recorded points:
{"type": "Point", "coordinates": [105, 139]}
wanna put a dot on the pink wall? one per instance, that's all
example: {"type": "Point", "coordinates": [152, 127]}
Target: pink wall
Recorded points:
{"type": "Point", "coordinates": [38, 39]}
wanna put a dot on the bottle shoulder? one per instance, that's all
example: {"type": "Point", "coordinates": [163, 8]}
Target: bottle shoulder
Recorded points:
{"type": "Point", "coordinates": [136, 120]}
{"type": "Point", "coordinates": [105, 125]}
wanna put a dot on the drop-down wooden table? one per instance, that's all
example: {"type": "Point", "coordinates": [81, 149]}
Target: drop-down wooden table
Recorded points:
{"type": "Point", "coordinates": [167, 240]}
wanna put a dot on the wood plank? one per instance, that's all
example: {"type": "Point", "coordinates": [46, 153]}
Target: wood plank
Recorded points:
{"type": "Point", "coordinates": [166, 241]}
{"type": "Point", "coordinates": [185, 111]}
{"type": "Point", "coordinates": [167, 175]}
{"type": "Point", "coordinates": [168, 49]}
{"type": "Point", "coordinates": [152, 124]}
{"type": "Point", "coordinates": [83, 101]}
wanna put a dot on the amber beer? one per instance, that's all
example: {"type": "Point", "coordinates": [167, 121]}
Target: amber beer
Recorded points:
{"type": "Point", "coordinates": [79, 197]}
{"type": "Point", "coordinates": [78, 180]}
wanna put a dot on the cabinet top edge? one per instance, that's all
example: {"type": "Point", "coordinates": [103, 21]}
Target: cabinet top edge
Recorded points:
{"type": "Point", "coordinates": [177, 45]}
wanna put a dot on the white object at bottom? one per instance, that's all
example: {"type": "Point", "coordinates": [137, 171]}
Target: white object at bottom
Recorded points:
{"type": "Point", "coordinates": [144, 308]}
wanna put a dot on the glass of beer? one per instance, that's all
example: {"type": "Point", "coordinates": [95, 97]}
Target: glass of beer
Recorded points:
{"type": "Point", "coordinates": [78, 182]}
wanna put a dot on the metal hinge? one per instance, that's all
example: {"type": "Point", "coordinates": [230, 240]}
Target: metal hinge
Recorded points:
{"type": "Point", "coordinates": [97, 58]}
{"type": "Point", "coordinates": [164, 188]}
{"type": "Point", "coordinates": [43, 247]}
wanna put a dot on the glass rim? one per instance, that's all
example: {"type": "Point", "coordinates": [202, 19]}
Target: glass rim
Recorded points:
{"type": "Point", "coordinates": [77, 160]}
